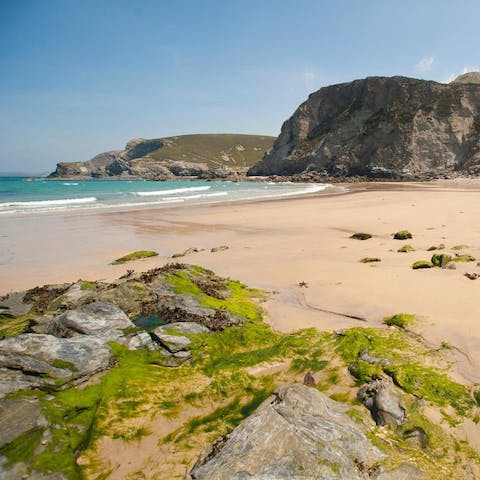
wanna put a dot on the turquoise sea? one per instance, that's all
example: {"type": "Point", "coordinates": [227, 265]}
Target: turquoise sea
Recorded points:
{"type": "Point", "coordinates": [24, 196]}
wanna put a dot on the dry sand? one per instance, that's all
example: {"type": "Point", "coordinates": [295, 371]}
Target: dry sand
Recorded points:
{"type": "Point", "coordinates": [275, 245]}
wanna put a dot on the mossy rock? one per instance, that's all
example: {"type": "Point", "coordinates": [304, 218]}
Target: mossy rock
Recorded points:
{"type": "Point", "coordinates": [441, 260]}
{"type": "Point", "coordinates": [400, 320]}
{"type": "Point", "coordinates": [406, 249]}
{"type": "Point", "coordinates": [422, 264]}
{"type": "Point", "coordinates": [460, 247]}
{"type": "Point", "coordinates": [441, 246]}
{"type": "Point", "coordinates": [464, 258]}
{"type": "Point", "coordinates": [402, 235]}
{"type": "Point", "coordinates": [361, 236]}
{"type": "Point", "coordinates": [370, 260]}
{"type": "Point", "coordinates": [134, 256]}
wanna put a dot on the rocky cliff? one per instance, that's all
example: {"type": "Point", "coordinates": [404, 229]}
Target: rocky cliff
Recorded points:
{"type": "Point", "coordinates": [214, 155]}
{"type": "Point", "coordinates": [382, 127]}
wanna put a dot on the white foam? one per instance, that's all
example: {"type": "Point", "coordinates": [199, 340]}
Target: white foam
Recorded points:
{"type": "Point", "coordinates": [46, 203]}
{"type": "Point", "coordinates": [68, 183]}
{"type": "Point", "coordinates": [171, 192]}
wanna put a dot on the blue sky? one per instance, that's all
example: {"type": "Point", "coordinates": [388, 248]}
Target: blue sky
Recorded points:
{"type": "Point", "coordinates": [78, 77]}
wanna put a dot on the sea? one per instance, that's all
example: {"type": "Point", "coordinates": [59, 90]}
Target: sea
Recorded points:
{"type": "Point", "coordinates": [27, 196]}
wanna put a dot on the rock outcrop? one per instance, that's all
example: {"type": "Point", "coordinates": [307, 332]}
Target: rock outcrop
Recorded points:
{"type": "Point", "coordinates": [298, 433]}
{"type": "Point", "coordinates": [64, 332]}
{"type": "Point", "coordinates": [205, 156]}
{"type": "Point", "coordinates": [382, 127]}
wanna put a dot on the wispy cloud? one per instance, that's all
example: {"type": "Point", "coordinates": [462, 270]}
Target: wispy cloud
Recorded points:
{"type": "Point", "coordinates": [425, 64]}
{"type": "Point", "coordinates": [453, 76]}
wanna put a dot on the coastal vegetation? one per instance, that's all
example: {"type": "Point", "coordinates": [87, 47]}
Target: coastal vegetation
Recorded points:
{"type": "Point", "coordinates": [406, 249]}
{"type": "Point", "coordinates": [402, 235]}
{"type": "Point", "coordinates": [134, 256]}
{"type": "Point", "coordinates": [231, 372]}
{"type": "Point", "coordinates": [361, 236]}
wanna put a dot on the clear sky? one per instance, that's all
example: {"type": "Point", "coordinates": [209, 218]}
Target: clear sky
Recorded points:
{"type": "Point", "coordinates": [78, 77]}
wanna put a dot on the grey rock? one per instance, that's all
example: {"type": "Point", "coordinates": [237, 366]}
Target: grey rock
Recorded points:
{"type": "Point", "coordinates": [298, 433]}
{"type": "Point", "coordinates": [372, 360]}
{"type": "Point", "coordinates": [87, 355]}
{"type": "Point", "coordinates": [14, 305]}
{"type": "Point", "coordinates": [19, 416]}
{"type": "Point", "coordinates": [173, 343]}
{"type": "Point", "coordinates": [101, 319]}
{"type": "Point", "coordinates": [12, 381]}
{"type": "Point", "coordinates": [384, 402]}
{"type": "Point", "coordinates": [190, 328]}
{"type": "Point", "coordinates": [178, 358]}
{"type": "Point", "coordinates": [381, 127]}
{"type": "Point", "coordinates": [31, 365]}
{"type": "Point", "coordinates": [142, 340]}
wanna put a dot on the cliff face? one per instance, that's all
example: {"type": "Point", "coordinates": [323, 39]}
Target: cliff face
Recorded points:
{"type": "Point", "coordinates": [387, 127]}
{"type": "Point", "coordinates": [214, 155]}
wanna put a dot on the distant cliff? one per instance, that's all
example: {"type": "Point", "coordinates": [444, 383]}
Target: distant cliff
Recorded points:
{"type": "Point", "coordinates": [382, 127]}
{"type": "Point", "coordinates": [209, 155]}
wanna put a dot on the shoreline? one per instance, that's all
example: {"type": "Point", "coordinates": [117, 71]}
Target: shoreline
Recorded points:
{"type": "Point", "coordinates": [275, 244]}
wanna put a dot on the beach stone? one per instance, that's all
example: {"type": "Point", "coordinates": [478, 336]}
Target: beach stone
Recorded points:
{"type": "Point", "coordinates": [101, 319]}
{"type": "Point", "coordinates": [18, 416]}
{"type": "Point", "coordinates": [87, 355]}
{"type": "Point", "coordinates": [220, 248]}
{"type": "Point", "coordinates": [173, 343]}
{"type": "Point", "coordinates": [384, 402]}
{"type": "Point", "coordinates": [142, 340]}
{"type": "Point", "coordinates": [297, 433]}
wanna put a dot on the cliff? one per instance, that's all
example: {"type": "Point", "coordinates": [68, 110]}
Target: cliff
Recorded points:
{"type": "Point", "coordinates": [212, 155]}
{"type": "Point", "coordinates": [382, 127]}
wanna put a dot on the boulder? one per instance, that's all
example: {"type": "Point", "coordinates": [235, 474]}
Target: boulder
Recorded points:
{"type": "Point", "coordinates": [384, 402]}
{"type": "Point", "coordinates": [75, 358]}
{"type": "Point", "coordinates": [297, 433]}
{"type": "Point", "coordinates": [101, 319]}
{"type": "Point", "coordinates": [173, 343]}
{"type": "Point", "coordinates": [14, 305]}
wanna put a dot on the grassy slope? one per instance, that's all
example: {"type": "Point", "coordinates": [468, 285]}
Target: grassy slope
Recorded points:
{"type": "Point", "coordinates": [209, 149]}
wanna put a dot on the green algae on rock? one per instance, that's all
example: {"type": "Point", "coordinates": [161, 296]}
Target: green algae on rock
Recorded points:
{"type": "Point", "coordinates": [463, 258]}
{"type": "Point", "coordinates": [361, 236]}
{"type": "Point", "coordinates": [405, 249]}
{"type": "Point", "coordinates": [402, 235]}
{"type": "Point", "coordinates": [370, 260]}
{"type": "Point", "coordinates": [441, 260]}
{"type": "Point", "coordinates": [134, 256]}
{"type": "Point", "coordinates": [422, 264]}
{"type": "Point", "coordinates": [400, 320]}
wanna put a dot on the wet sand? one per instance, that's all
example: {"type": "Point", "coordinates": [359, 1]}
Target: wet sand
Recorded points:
{"type": "Point", "coordinates": [275, 245]}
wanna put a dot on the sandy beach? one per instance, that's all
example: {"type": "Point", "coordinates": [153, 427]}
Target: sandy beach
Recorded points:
{"type": "Point", "coordinates": [275, 245]}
